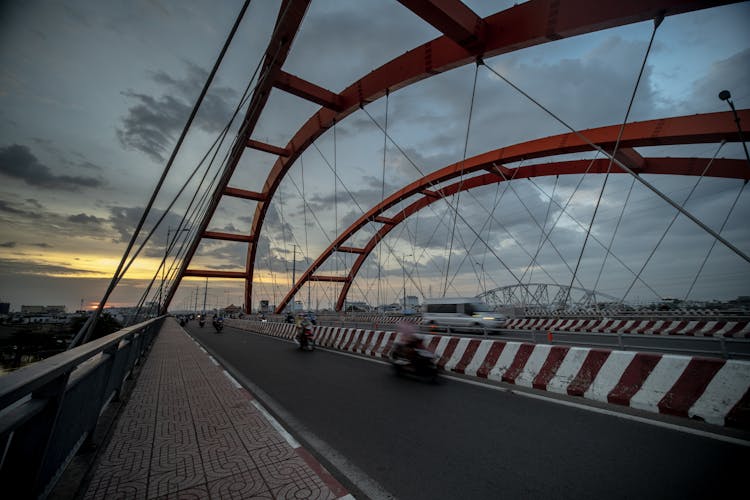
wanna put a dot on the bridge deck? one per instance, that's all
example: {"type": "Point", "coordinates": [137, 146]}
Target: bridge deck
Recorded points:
{"type": "Point", "coordinates": [188, 431]}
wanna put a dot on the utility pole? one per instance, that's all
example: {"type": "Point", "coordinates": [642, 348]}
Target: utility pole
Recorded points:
{"type": "Point", "coordinates": [294, 272]}
{"type": "Point", "coordinates": [205, 291]}
{"type": "Point", "coordinates": [403, 270]}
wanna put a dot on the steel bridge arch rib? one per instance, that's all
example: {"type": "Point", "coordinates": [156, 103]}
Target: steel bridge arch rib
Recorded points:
{"type": "Point", "coordinates": [531, 23]}
{"type": "Point", "coordinates": [706, 128]}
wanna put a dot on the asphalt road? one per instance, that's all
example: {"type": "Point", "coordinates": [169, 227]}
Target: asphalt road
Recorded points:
{"type": "Point", "coordinates": [454, 440]}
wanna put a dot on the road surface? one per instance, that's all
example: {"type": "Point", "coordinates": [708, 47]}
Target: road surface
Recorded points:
{"type": "Point", "coordinates": [417, 440]}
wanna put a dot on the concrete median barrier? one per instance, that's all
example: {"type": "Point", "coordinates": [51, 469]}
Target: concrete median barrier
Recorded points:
{"type": "Point", "coordinates": [716, 391]}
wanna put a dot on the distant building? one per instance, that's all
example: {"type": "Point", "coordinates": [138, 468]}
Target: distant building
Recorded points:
{"type": "Point", "coordinates": [232, 310]}
{"type": "Point", "coordinates": [355, 306]}
{"type": "Point", "coordinates": [4, 307]}
{"type": "Point", "coordinates": [42, 310]}
{"type": "Point", "coordinates": [32, 309]}
{"type": "Point", "coordinates": [411, 301]}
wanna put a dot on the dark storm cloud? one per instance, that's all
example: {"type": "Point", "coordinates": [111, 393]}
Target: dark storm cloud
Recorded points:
{"type": "Point", "coordinates": [124, 220]}
{"type": "Point", "coordinates": [591, 91]}
{"type": "Point", "coordinates": [273, 226]}
{"type": "Point", "coordinates": [79, 162]}
{"type": "Point", "coordinates": [732, 74]}
{"type": "Point", "coordinates": [11, 209]}
{"type": "Point", "coordinates": [30, 221]}
{"type": "Point", "coordinates": [10, 267]}
{"type": "Point", "coordinates": [34, 203]}
{"type": "Point", "coordinates": [85, 219]}
{"type": "Point", "coordinates": [8, 244]}
{"type": "Point", "coordinates": [153, 123]}
{"type": "Point", "coordinates": [18, 162]}
{"type": "Point", "coordinates": [363, 38]}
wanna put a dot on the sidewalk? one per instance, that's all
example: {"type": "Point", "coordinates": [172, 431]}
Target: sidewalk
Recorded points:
{"type": "Point", "coordinates": [190, 431]}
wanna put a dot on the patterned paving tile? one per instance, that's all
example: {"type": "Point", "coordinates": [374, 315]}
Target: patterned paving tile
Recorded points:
{"type": "Point", "coordinates": [127, 455]}
{"type": "Point", "coordinates": [183, 473]}
{"type": "Point", "coordinates": [188, 433]}
{"type": "Point", "coordinates": [254, 437]}
{"type": "Point", "coordinates": [193, 493]}
{"type": "Point", "coordinates": [118, 483]}
{"type": "Point", "coordinates": [291, 476]}
{"type": "Point", "coordinates": [242, 486]}
{"type": "Point", "coordinates": [273, 453]}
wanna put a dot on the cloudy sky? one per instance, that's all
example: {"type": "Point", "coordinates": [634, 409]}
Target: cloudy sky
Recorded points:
{"type": "Point", "coordinates": [93, 96]}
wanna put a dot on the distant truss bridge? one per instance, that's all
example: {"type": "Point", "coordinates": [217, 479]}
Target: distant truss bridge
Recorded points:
{"type": "Point", "coordinates": [549, 296]}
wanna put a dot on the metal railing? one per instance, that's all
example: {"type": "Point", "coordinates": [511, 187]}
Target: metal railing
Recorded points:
{"type": "Point", "coordinates": [49, 409]}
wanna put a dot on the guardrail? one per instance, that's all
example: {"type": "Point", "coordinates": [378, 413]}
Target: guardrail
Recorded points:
{"type": "Point", "coordinates": [49, 409]}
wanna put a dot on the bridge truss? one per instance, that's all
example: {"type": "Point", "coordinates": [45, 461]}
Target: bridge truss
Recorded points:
{"type": "Point", "coordinates": [551, 297]}
{"type": "Point", "coordinates": [466, 38]}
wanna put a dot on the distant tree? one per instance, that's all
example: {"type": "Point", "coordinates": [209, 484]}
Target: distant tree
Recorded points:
{"type": "Point", "coordinates": [104, 326]}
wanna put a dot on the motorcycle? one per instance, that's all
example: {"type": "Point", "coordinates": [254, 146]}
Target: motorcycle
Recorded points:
{"type": "Point", "coordinates": [219, 325]}
{"type": "Point", "coordinates": [414, 361]}
{"type": "Point", "coordinates": [306, 339]}
{"type": "Point", "coordinates": [202, 322]}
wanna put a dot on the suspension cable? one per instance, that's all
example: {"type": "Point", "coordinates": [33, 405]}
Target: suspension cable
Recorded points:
{"type": "Point", "coordinates": [713, 243]}
{"type": "Point", "coordinates": [627, 169]}
{"type": "Point", "coordinates": [455, 209]}
{"type": "Point", "coordinates": [496, 202]}
{"type": "Point", "coordinates": [304, 213]}
{"type": "Point", "coordinates": [657, 22]}
{"type": "Point", "coordinates": [677, 214]}
{"type": "Point", "coordinates": [563, 211]}
{"type": "Point", "coordinates": [559, 216]}
{"type": "Point", "coordinates": [382, 188]}
{"type": "Point", "coordinates": [544, 226]}
{"type": "Point", "coordinates": [115, 279]}
{"type": "Point", "coordinates": [463, 163]}
{"type": "Point", "coordinates": [552, 244]}
{"type": "Point", "coordinates": [507, 231]}
{"type": "Point", "coordinates": [612, 239]}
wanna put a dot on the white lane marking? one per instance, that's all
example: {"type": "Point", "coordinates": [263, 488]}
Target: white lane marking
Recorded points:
{"type": "Point", "coordinates": [625, 416]}
{"type": "Point", "coordinates": [612, 413]}
{"type": "Point", "coordinates": [232, 380]}
{"type": "Point", "coordinates": [276, 425]}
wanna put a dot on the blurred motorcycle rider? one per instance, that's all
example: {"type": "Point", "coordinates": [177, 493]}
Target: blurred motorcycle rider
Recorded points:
{"type": "Point", "coordinates": [408, 341]}
{"type": "Point", "coordinates": [301, 323]}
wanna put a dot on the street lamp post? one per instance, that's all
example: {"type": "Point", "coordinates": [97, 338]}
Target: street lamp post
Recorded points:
{"type": "Point", "coordinates": [725, 95]}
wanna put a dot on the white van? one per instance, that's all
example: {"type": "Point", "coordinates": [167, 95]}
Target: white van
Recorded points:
{"type": "Point", "coordinates": [464, 312]}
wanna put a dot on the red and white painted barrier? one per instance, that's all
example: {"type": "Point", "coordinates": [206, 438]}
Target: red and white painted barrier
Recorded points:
{"type": "Point", "coordinates": [695, 328]}
{"type": "Point", "coordinates": [714, 390]}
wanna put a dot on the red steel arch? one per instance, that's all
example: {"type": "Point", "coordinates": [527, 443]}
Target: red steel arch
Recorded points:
{"type": "Point", "coordinates": [466, 37]}
{"type": "Point", "coordinates": [706, 128]}
{"type": "Point", "coordinates": [531, 23]}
